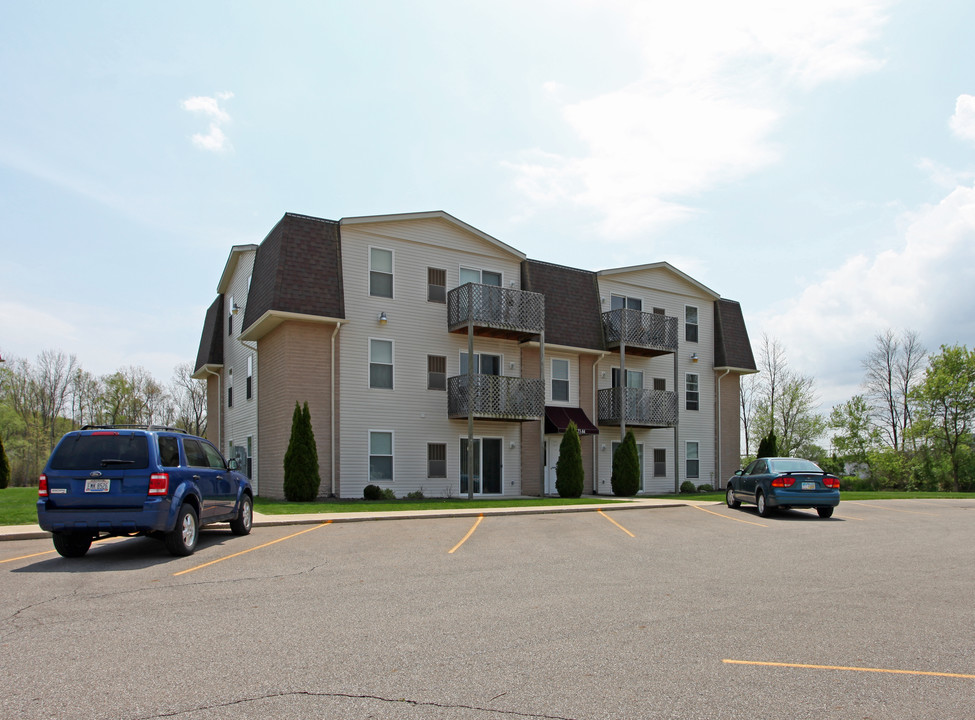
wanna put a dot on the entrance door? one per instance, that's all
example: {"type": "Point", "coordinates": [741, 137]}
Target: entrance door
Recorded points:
{"type": "Point", "coordinates": [552, 447]}
{"type": "Point", "coordinates": [487, 466]}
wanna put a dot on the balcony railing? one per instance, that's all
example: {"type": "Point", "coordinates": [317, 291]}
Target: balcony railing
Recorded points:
{"type": "Point", "coordinates": [497, 397]}
{"type": "Point", "coordinates": [644, 408]}
{"type": "Point", "coordinates": [496, 311]}
{"type": "Point", "coordinates": [643, 333]}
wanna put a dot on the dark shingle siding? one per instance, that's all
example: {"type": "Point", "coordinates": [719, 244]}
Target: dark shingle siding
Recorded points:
{"type": "Point", "coordinates": [298, 269]}
{"type": "Point", "coordinates": [731, 345]}
{"type": "Point", "coordinates": [211, 341]}
{"type": "Point", "coordinates": [572, 313]}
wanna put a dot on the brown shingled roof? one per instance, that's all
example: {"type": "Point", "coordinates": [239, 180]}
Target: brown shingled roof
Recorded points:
{"type": "Point", "coordinates": [732, 348]}
{"type": "Point", "coordinates": [211, 345]}
{"type": "Point", "coordinates": [298, 269]}
{"type": "Point", "coordinates": [571, 303]}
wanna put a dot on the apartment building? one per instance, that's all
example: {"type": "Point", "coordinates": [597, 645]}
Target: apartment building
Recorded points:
{"type": "Point", "coordinates": [428, 350]}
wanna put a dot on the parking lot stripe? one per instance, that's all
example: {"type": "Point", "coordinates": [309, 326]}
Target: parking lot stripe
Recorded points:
{"type": "Point", "coordinates": [882, 507]}
{"type": "Point", "coordinates": [727, 517]}
{"type": "Point", "coordinates": [469, 533]}
{"type": "Point", "coordinates": [244, 552]}
{"type": "Point", "coordinates": [25, 557]}
{"type": "Point", "coordinates": [850, 669]}
{"type": "Point", "coordinates": [616, 523]}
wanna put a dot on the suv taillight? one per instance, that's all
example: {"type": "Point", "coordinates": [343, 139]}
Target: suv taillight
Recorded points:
{"type": "Point", "coordinates": [159, 483]}
{"type": "Point", "coordinates": [42, 486]}
{"type": "Point", "coordinates": [784, 482]}
{"type": "Point", "coordinates": [831, 482]}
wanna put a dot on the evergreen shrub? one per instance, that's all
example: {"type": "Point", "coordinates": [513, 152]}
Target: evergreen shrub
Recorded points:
{"type": "Point", "coordinates": [569, 474]}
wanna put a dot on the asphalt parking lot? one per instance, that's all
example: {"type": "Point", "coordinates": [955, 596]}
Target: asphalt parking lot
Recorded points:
{"type": "Point", "coordinates": [682, 612]}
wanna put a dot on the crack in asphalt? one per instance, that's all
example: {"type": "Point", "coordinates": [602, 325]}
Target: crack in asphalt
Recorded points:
{"type": "Point", "coordinates": [356, 696]}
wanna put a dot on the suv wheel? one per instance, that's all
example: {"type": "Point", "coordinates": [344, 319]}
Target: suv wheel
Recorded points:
{"type": "Point", "coordinates": [71, 545]}
{"type": "Point", "coordinates": [181, 540]}
{"type": "Point", "coordinates": [241, 525]}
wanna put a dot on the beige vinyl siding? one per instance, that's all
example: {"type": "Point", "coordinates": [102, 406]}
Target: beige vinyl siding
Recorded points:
{"type": "Point", "coordinates": [418, 328]}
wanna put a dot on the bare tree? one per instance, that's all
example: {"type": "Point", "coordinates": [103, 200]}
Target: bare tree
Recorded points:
{"type": "Point", "coordinates": [748, 394]}
{"type": "Point", "coordinates": [188, 398]}
{"type": "Point", "coordinates": [892, 370]}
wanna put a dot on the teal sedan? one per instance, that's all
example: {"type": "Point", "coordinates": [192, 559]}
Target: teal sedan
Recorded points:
{"type": "Point", "coordinates": [784, 483]}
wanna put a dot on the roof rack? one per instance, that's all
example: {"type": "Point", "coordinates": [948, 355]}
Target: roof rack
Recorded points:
{"type": "Point", "coordinates": [137, 427]}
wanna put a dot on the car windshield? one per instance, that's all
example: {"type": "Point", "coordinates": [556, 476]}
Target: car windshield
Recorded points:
{"type": "Point", "coordinates": [86, 452]}
{"type": "Point", "coordinates": [793, 465]}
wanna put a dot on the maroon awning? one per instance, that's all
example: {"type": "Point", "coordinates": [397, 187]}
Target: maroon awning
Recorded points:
{"type": "Point", "coordinates": [557, 419]}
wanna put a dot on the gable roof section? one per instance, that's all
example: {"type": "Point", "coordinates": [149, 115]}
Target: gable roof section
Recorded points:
{"type": "Point", "coordinates": [572, 314]}
{"type": "Point", "coordinates": [211, 347]}
{"type": "Point", "coordinates": [732, 349]}
{"type": "Point", "coordinates": [435, 215]}
{"type": "Point", "coordinates": [666, 266]}
{"type": "Point", "coordinates": [297, 274]}
{"type": "Point", "coordinates": [228, 270]}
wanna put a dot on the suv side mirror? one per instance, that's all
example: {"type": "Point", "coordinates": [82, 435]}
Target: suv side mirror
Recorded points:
{"type": "Point", "coordinates": [232, 463]}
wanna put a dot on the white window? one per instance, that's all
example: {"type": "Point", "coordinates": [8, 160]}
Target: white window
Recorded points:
{"type": "Point", "coordinates": [437, 460]}
{"type": "Point", "coordinates": [692, 394]}
{"type": "Point", "coordinates": [474, 275]}
{"type": "Point", "coordinates": [690, 323]}
{"type": "Point", "coordinates": [692, 460]}
{"type": "Point", "coordinates": [484, 364]}
{"type": "Point", "coordinates": [380, 456]}
{"type": "Point", "coordinates": [660, 462]}
{"type": "Point", "coordinates": [634, 378]}
{"type": "Point", "coordinates": [560, 380]}
{"type": "Point", "coordinates": [381, 364]}
{"type": "Point", "coordinates": [618, 302]}
{"type": "Point", "coordinates": [380, 272]}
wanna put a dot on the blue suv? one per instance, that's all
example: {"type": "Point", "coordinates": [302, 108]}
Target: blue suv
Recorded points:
{"type": "Point", "coordinates": [139, 480]}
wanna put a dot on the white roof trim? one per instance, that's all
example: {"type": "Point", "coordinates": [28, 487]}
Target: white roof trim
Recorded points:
{"type": "Point", "coordinates": [228, 270]}
{"type": "Point", "coordinates": [272, 318]}
{"type": "Point", "coordinates": [435, 215]}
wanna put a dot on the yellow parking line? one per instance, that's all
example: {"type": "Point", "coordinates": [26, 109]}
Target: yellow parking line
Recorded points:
{"type": "Point", "coordinates": [910, 512]}
{"type": "Point", "coordinates": [25, 557]}
{"type": "Point", "coordinates": [726, 517]}
{"type": "Point", "coordinates": [244, 552]}
{"type": "Point", "coordinates": [616, 523]}
{"type": "Point", "coordinates": [850, 669]}
{"type": "Point", "coordinates": [469, 533]}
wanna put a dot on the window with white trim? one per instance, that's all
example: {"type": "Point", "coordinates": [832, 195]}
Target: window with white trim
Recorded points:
{"type": "Point", "coordinates": [436, 372]}
{"type": "Point", "coordinates": [634, 378]}
{"type": "Point", "coordinates": [690, 323]}
{"type": "Point", "coordinates": [660, 462]}
{"type": "Point", "coordinates": [250, 377]}
{"type": "Point", "coordinates": [484, 364]}
{"type": "Point", "coordinates": [380, 456]}
{"type": "Point", "coordinates": [436, 460]}
{"type": "Point", "coordinates": [619, 302]}
{"type": "Point", "coordinates": [692, 460]}
{"type": "Point", "coordinates": [381, 364]}
{"type": "Point", "coordinates": [380, 272]}
{"type": "Point", "coordinates": [475, 275]}
{"type": "Point", "coordinates": [560, 380]}
{"type": "Point", "coordinates": [692, 391]}
{"type": "Point", "coordinates": [436, 285]}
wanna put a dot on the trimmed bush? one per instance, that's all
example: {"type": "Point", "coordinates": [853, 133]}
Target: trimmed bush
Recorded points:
{"type": "Point", "coordinates": [372, 492]}
{"type": "Point", "coordinates": [301, 478]}
{"type": "Point", "coordinates": [688, 488]}
{"type": "Point", "coordinates": [626, 468]}
{"type": "Point", "coordinates": [569, 475]}
{"type": "Point", "coordinates": [388, 494]}
{"type": "Point", "coordinates": [704, 488]}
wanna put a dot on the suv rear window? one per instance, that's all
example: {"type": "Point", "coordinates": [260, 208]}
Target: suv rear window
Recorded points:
{"type": "Point", "coordinates": [86, 452]}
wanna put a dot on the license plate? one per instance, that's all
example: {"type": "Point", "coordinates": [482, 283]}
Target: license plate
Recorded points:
{"type": "Point", "coordinates": [809, 486]}
{"type": "Point", "coordinates": [92, 485]}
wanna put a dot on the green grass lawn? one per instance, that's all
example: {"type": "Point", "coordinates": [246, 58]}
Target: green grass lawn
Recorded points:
{"type": "Point", "coordinates": [18, 505]}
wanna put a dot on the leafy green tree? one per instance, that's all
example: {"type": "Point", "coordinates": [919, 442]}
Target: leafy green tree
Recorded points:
{"type": "Point", "coordinates": [854, 435]}
{"type": "Point", "coordinates": [947, 398]}
{"type": "Point", "coordinates": [626, 468]}
{"type": "Point", "coordinates": [569, 474]}
{"type": "Point", "coordinates": [301, 474]}
{"type": "Point", "coordinates": [4, 467]}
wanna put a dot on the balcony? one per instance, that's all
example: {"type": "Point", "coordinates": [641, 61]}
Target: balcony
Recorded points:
{"type": "Point", "coordinates": [496, 311]}
{"type": "Point", "coordinates": [645, 334]}
{"type": "Point", "coordinates": [644, 408]}
{"type": "Point", "coordinates": [497, 397]}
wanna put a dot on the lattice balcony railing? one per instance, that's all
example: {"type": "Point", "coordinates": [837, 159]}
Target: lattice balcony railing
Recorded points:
{"type": "Point", "coordinates": [646, 408]}
{"type": "Point", "coordinates": [496, 307]}
{"type": "Point", "coordinates": [497, 397]}
{"type": "Point", "coordinates": [646, 330]}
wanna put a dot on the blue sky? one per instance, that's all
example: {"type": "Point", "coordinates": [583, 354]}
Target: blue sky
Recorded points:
{"type": "Point", "coordinates": [815, 163]}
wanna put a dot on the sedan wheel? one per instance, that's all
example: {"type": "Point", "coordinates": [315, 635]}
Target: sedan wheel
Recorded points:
{"type": "Point", "coordinates": [825, 512]}
{"type": "Point", "coordinates": [763, 509]}
{"type": "Point", "coordinates": [730, 498]}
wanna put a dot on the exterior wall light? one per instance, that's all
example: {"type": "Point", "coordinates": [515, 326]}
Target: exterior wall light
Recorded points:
{"type": "Point", "coordinates": [382, 318]}
{"type": "Point", "coordinates": [236, 308]}
{"type": "Point", "coordinates": [693, 357]}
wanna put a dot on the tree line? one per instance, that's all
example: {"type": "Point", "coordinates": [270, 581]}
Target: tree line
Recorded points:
{"type": "Point", "coordinates": [911, 427]}
{"type": "Point", "coordinates": [41, 400]}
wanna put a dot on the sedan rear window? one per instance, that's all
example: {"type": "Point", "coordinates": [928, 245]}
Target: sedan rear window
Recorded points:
{"type": "Point", "coordinates": [87, 452]}
{"type": "Point", "coordinates": [794, 465]}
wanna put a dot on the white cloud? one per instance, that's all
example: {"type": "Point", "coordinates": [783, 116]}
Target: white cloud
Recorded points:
{"type": "Point", "coordinates": [215, 140]}
{"type": "Point", "coordinates": [963, 121]}
{"type": "Point", "coordinates": [715, 80]}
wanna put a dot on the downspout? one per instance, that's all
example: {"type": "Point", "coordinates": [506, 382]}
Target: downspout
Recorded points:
{"type": "Point", "coordinates": [219, 408]}
{"type": "Point", "coordinates": [677, 425]}
{"type": "Point", "coordinates": [331, 422]}
{"type": "Point", "coordinates": [257, 485]}
{"type": "Point", "coordinates": [595, 439]}
{"type": "Point", "coordinates": [720, 475]}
